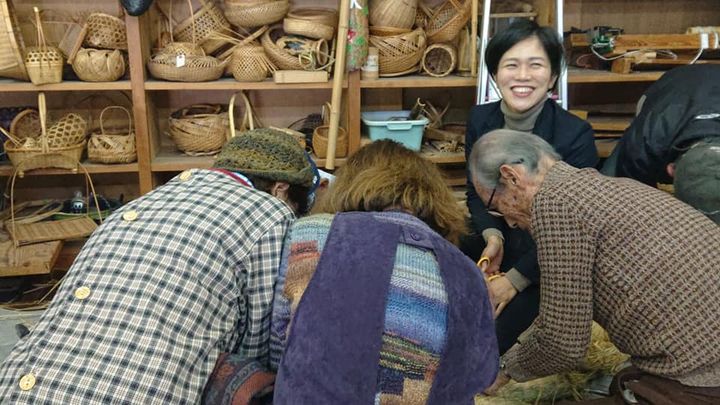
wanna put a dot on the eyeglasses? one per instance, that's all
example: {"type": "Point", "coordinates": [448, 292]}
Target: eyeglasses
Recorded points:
{"type": "Point", "coordinates": [490, 211]}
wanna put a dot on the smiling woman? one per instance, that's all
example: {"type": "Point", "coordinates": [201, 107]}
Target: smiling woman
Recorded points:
{"type": "Point", "coordinates": [525, 61]}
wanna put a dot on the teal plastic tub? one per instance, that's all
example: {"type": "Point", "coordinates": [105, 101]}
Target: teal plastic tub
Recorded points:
{"type": "Point", "coordinates": [395, 125]}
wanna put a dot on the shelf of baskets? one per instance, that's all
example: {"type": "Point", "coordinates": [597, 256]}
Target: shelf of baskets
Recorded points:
{"type": "Point", "coordinates": [419, 81]}
{"type": "Point", "coordinates": [6, 169]}
{"type": "Point", "coordinates": [10, 85]}
{"type": "Point", "coordinates": [173, 161]}
{"type": "Point", "coordinates": [232, 84]}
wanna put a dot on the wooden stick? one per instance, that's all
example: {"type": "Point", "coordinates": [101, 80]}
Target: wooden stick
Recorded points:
{"type": "Point", "coordinates": [473, 39]}
{"type": "Point", "coordinates": [338, 75]}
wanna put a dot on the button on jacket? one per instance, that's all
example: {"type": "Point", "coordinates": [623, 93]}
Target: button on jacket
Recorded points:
{"type": "Point", "coordinates": [158, 291]}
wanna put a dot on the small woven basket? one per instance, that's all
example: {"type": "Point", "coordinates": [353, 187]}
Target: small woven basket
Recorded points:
{"type": "Point", "coordinates": [399, 53]}
{"type": "Point", "coordinates": [255, 13]}
{"type": "Point", "coordinates": [194, 69]}
{"type": "Point", "coordinates": [446, 21]}
{"type": "Point", "coordinates": [392, 13]}
{"type": "Point", "coordinates": [280, 58]}
{"type": "Point", "coordinates": [37, 153]}
{"type": "Point", "coordinates": [320, 136]}
{"type": "Point", "coordinates": [113, 145]}
{"type": "Point", "coordinates": [44, 63]}
{"type": "Point", "coordinates": [99, 65]}
{"type": "Point", "coordinates": [439, 60]}
{"type": "Point", "coordinates": [106, 32]}
{"type": "Point", "coordinates": [250, 64]}
{"type": "Point", "coordinates": [69, 130]}
{"type": "Point", "coordinates": [208, 20]}
{"type": "Point", "coordinates": [200, 129]}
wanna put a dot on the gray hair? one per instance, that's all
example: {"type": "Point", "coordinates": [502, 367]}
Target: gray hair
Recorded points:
{"type": "Point", "coordinates": [505, 146]}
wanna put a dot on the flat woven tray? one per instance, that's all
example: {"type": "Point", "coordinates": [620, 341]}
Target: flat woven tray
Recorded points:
{"type": "Point", "coordinates": [44, 231]}
{"type": "Point", "coordinates": [38, 258]}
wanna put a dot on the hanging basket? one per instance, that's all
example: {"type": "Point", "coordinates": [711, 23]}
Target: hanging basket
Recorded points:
{"type": "Point", "coordinates": [44, 63]}
{"type": "Point", "coordinates": [12, 47]}
{"type": "Point", "coordinates": [208, 20]}
{"type": "Point", "coordinates": [113, 145]}
{"type": "Point", "coordinates": [106, 32]}
{"type": "Point", "coordinates": [439, 60]}
{"type": "Point", "coordinates": [99, 65]}
{"type": "Point", "coordinates": [200, 129]}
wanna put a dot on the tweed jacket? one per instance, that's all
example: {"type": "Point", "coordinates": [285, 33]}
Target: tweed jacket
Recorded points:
{"type": "Point", "coordinates": [164, 286]}
{"type": "Point", "coordinates": [641, 263]}
{"type": "Point", "coordinates": [571, 137]}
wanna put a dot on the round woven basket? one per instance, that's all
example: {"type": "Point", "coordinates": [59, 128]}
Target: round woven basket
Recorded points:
{"type": "Point", "coordinates": [250, 64]}
{"type": "Point", "coordinates": [105, 31]}
{"type": "Point", "coordinates": [26, 124]}
{"type": "Point", "coordinates": [208, 20]}
{"type": "Point", "coordinates": [439, 60]}
{"type": "Point", "coordinates": [99, 65]}
{"type": "Point", "coordinates": [113, 145]}
{"type": "Point", "coordinates": [399, 53]}
{"type": "Point", "coordinates": [320, 142]}
{"type": "Point", "coordinates": [445, 22]}
{"type": "Point", "coordinates": [392, 13]}
{"type": "Point", "coordinates": [200, 129]}
{"type": "Point", "coordinates": [387, 31]}
{"type": "Point", "coordinates": [255, 13]}
{"type": "Point", "coordinates": [309, 29]}
{"type": "Point", "coordinates": [182, 48]}
{"type": "Point", "coordinates": [320, 15]}
{"type": "Point", "coordinates": [195, 69]}
{"type": "Point", "coordinates": [280, 58]}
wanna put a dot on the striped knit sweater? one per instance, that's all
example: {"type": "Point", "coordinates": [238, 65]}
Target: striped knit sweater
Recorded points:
{"type": "Point", "coordinates": [415, 317]}
{"type": "Point", "coordinates": [641, 263]}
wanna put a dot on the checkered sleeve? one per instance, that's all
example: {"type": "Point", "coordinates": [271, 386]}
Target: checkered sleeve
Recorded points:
{"type": "Point", "coordinates": [560, 335]}
{"type": "Point", "coordinates": [262, 266]}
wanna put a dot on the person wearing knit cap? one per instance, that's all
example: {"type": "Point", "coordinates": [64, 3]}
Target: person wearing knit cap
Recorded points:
{"type": "Point", "coordinates": [168, 284]}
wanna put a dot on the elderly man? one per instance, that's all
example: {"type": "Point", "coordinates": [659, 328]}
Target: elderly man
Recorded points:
{"type": "Point", "coordinates": [641, 263]}
{"type": "Point", "coordinates": [167, 284]}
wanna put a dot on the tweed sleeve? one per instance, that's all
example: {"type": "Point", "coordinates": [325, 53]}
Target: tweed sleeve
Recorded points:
{"type": "Point", "coordinates": [263, 264]}
{"type": "Point", "coordinates": [560, 335]}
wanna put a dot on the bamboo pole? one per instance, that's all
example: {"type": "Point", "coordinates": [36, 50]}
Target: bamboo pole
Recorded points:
{"type": "Point", "coordinates": [338, 75]}
{"type": "Point", "coordinates": [473, 38]}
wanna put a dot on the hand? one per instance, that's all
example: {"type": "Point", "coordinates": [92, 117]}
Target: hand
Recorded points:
{"type": "Point", "coordinates": [494, 252]}
{"type": "Point", "coordinates": [500, 382]}
{"type": "Point", "coordinates": [502, 292]}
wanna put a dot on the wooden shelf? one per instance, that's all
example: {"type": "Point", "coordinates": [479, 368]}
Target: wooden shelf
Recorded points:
{"type": "Point", "coordinates": [232, 84]}
{"type": "Point", "coordinates": [617, 124]}
{"type": "Point", "coordinates": [174, 161]}
{"type": "Point", "coordinates": [444, 157]}
{"type": "Point", "coordinates": [419, 81]}
{"type": "Point", "coordinates": [6, 169]}
{"type": "Point", "coordinates": [577, 75]}
{"type": "Point", "coordinates": [18, 86]}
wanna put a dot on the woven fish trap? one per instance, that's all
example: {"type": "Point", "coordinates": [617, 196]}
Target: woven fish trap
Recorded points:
{"type": "Point", "coordinates": [439, 60]}
{"type": "Point", "coordinates": [392, 13]}
{"type": "Point", "coordinates": [309, 29]}
{"type": "Point", "coordinates": [320, 15]}
{"type": "Point", "coordinates": [113, 144]}
{"type": "Point", "coordinates": [195, 68]}
{"type": "Point", "coordinates": [199, 129]}
{"type": "Point", "coordinates": [446, 21]}
{"type": "Point", "coordinates": [26, 124]}
{"type": "Point", "coordinates": [250, 64]}
{"type": "Point", "coordinates": [399, 53]}
{"type": "Point", "coordinates": [255, 13]}
{"type": "Point", "coordinates": [99, 65]}
{"type": "Point", "coordinates": [106, 32]}
{"type": "Point", "coordinates": [279, 56]}
{"type": "Point", "coordinates": [209, 19]}
{"type": "Point", "coordinates": [12, 46]}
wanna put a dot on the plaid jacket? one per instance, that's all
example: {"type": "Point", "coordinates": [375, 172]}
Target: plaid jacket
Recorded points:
{"type": "Point", "coordinates": [158, 292]}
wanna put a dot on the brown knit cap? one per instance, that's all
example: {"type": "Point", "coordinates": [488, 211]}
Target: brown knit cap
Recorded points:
{"type": "Point", "coordinates": [268, 154]}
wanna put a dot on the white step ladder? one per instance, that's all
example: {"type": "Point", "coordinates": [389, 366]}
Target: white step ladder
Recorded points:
{"type": "Point", "coordinates": [485, 80]}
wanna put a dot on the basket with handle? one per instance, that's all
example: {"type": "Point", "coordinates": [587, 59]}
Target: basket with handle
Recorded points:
{"type": "Point", "coordinates": [44, 231]}
{"type": "Point", "coordinates": [445, 22]}
{"type": "Point", "coordinates": [12, 47]}
{"type": "Point", "coordinates": [113, 145]}
{"type": "Point", "coordinates": [320, 136]}
{"type": "Point", "coordinates": [105, 31]}
{"type": "Point", "coordinates": [37, 153]}
{"type": "Point", "coordinates": [209, 19]}
{"type": "Point", "coordinates": [199, 129]}
{"type": "Point", "coordinates": [44, 63]}
{"type": "Point", "coordinates": [250, 119]}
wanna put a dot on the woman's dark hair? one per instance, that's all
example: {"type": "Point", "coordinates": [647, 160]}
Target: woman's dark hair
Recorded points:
{"type": "Point", "coordinates": [521, 30]}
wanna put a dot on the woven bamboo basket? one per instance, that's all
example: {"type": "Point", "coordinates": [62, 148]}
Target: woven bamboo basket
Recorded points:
{"type": "Point", "coordinates": [106, 32]}
{"type": "Point", "coordinates": [392, 13]}
{"type": "Point", "coordinates": [200, 129]}
{"type": "Point", "coordinates": [113, 145]}
{"type": "Point", "coordinates": [26, 125]}
{"type": "Point", "coordinates": [445, 22]}
{"type": "Point", "coordinates": [12, 47]}
{"type": "Point", "coordinates": [439, 60]}
{"type": "Point", "coordinates": [320, 15]}
{"type": "Point", "coordinates": [320, 136]}
{"type": "Point", "coordinates": [282, 59]}
{"type": "Point", "coordinates": [309, 29]}
{"type": "Point", "coordinates": [37, 154]}
{"type": "Point", "coordinates": [387, 31]}
{"type": "Point", "coordinates": [399, 53]}
{"type": "Point", "coordinates": [249, 121]}
{"type": "Point", "coordinates": [255, 13]}
{"type": "Point", "coordinates": [99, 65]}
{"type": "Point", "coordinates": [250, 64]}
{"type": "Point", "coordinates": [44, 63]}
{"type": "Point", "coordinates": [67, 131]}
{"type": "Point", "coordinates": [194, 69]}
{"type": "Point", "coordinates": [208, 19]}
{"type": "Point", "coordinates": [182, 48]}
